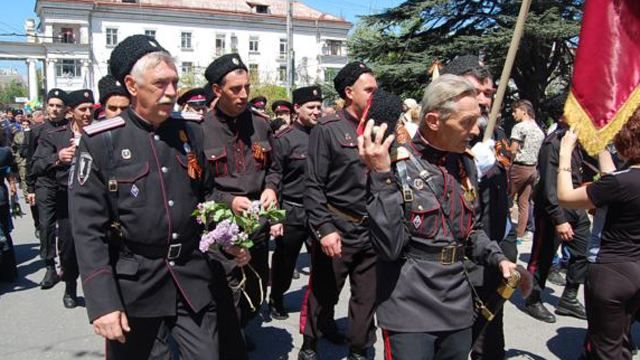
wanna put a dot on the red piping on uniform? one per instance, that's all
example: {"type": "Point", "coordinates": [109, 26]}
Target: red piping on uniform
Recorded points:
{"type": "Point", "coordinates": [94, 274]}
{"type": "Point", "coordinates": [540, 231]}
{"type": "Point", "coordinates": [169, 225]}
{"type": "Point", "coordinates": [388, 355]}
{"type": "Point", "coordinates": [304, 312]}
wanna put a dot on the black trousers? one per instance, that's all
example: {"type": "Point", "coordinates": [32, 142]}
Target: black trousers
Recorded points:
{"type": "Point", "coordinates": [66, 248]}
{"type": "Point", "coordinates": [46, 202]}
{"type": "Point", "coordinates": [195, 334]}
{"type": "Point", "coordinates": [546, 243]}
{"type": "Point", "coordinates": [8, 265]}
{"type": "Point", "coordinates": [284, 258]}
{"type": "Point", "coordinates": [612, 297]}
{"type": "Point", "coordinates": [489, 340]}
{"type": "Point", "coordinates": [444, 345]}
{"type": "Point", "coordinates": [328, 275]}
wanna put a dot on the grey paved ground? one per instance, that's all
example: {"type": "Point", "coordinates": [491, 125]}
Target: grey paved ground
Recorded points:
{"type": "Point", "coordinates": [34, 325]}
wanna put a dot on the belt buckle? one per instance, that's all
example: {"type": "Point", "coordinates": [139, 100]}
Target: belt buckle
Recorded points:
{"type": "Point", "coordinates": [407, 194]}
{"type": "Point", "coordinates": [448, 255]}
{"type": "Point", "coordinates": [174, 251]}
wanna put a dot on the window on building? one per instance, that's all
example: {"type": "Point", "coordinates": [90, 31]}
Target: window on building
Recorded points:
{"type": "Point", "coordinates": [130, 1]}
{"type": "Point", "coordinates": [253, 73]}
{"type": "Point", "coordinates": [69, 68]}
{"type": "Point", "coordinates": [253, 44]}
{"type": "Point", "coordinates": [185, 40]}
{"type": "Point", "coordinates": [283, 48]}
{"type": "Point", "coordinates": [262, 9]}
{"type": "Point", "coordinates": [66, 36]}
{"type": "Point", "coordinates": [334, 48]}
{"type": "Point", "coordinates": [112, 37]}
{"type": "Point", "coordinates": [187, 67]}
{"type": "Point", "coordinates": [151, 33]}
{"type": "Point", "coordinates": [282, 73]}
{"type": "Point", "coordinates": [220, 44]}
{"type": "Point", "coordinates": [234, 43]}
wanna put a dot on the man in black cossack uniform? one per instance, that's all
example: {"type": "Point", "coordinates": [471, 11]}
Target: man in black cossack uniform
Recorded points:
{"type": "Point", "coordinates": [424, 218]}
{"type": "Point", "coordinates": [42, 186]}
{"type": "Point", "coordinates": [238, 150]}
{"type": "Point", "coordinates": [54, 154]}
{"type": "Point", "coordinates": [134, 183]}
{"type": "Point", "coordinates": [289, 168]}
{"type": "Point", "coordinates": [335, 202]}
{"type": "Point", "coordinates": [554, 225]}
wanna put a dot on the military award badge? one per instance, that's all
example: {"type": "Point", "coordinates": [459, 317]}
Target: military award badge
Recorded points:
{"type": "Point", "coordinates": [258, 152]}
{"type": "Point", "coordinates": [193, 168]}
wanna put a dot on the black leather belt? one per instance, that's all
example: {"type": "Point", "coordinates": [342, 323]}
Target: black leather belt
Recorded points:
{"type": "Point", "coordinates": [353, 218]}
{"type": "Point", "coordinates": [293, 203]}
{"type": "Point", "coordinates": [170, 252]}
{"type": "Point", "coordinates": [523, 164]}
{"type": "Point", "coordinates": [445, 255]}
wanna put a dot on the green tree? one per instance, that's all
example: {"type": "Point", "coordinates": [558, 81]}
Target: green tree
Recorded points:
{"type": "Point", "coordinates": [401, 43]}
{"type": "Point", "coordinates": [10, 91]}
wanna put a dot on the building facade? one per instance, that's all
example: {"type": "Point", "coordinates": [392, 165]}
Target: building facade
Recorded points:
{"type": "Point", "coordinates": [79, 36]}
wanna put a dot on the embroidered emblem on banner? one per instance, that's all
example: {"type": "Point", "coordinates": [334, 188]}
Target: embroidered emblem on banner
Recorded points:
{"type": "Point", "coordinates": [84, 167]}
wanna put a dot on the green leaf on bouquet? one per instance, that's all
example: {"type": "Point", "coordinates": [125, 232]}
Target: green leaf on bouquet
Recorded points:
{"type": "Point", "coordinates": [222, 214]}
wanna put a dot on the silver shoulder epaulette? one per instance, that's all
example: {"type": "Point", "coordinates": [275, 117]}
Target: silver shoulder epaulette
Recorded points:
{"type": "Point", "coordinates": [104, 125]}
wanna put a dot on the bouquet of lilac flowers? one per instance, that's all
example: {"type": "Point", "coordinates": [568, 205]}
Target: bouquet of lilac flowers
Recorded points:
{"type": "Point", "coordinates": [231, 229]}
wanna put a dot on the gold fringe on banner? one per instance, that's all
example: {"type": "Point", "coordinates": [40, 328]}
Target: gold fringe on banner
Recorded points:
{"type": "Point", "coordinates": [594, 140]}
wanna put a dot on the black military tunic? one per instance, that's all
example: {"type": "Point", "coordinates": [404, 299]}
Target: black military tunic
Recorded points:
{"type": "Point", "coordinates": [147, 184]}
{"type": "Point", "coordinates": [548, 214]}
{"type": "Point", "coordinates": [335, 176]}
{"type": "Point", "coordinates": [420, 290]}
{"type": "Point", "coordinates": [287, 174]}
{"type": "Point", "coordinates": [43, 184]}
{"type": "Point", "coordinates": [335, 201]}
{"type": "Point", "coordinates": [238, 152]}
{"type": "Point", "coordinates": [46, 160]}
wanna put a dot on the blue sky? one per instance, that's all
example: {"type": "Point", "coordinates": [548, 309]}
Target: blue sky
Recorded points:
{"type": "Point", "coordinates": [14, 12]}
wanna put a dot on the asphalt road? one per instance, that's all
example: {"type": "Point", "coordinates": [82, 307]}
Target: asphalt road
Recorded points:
{"type": "Point", "coordinates": [35, 325]}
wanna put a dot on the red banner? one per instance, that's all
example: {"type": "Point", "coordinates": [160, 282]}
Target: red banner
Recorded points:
{"type": "Point", "coordinates": [605, 89]}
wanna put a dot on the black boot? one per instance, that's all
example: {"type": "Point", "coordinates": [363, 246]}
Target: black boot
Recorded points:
{"type": "Point", "coordinates": [50, 277]}
{"type": "Point", "coordinates": [277, 310]}
{"type": "Point", "coordinates": [569, 304]}
{"type": "Point", "coordinates": [308, 349]}
{"type": "Point", "coordinates": [70, 298]}
{"type": "Point", "coordinates": [537, 310]}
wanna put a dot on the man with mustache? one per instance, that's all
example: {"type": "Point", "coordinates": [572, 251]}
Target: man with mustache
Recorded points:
{"type": "Point", "coordinates": [42, 186]}
{"type": "Point", "coordinates": [140, 176]}
{"type": "Point", "coordinates": [54, 154]}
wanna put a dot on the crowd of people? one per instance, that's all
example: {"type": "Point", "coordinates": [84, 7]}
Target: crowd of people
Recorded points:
{"type": "Point", "coordinates": [403, 198]}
